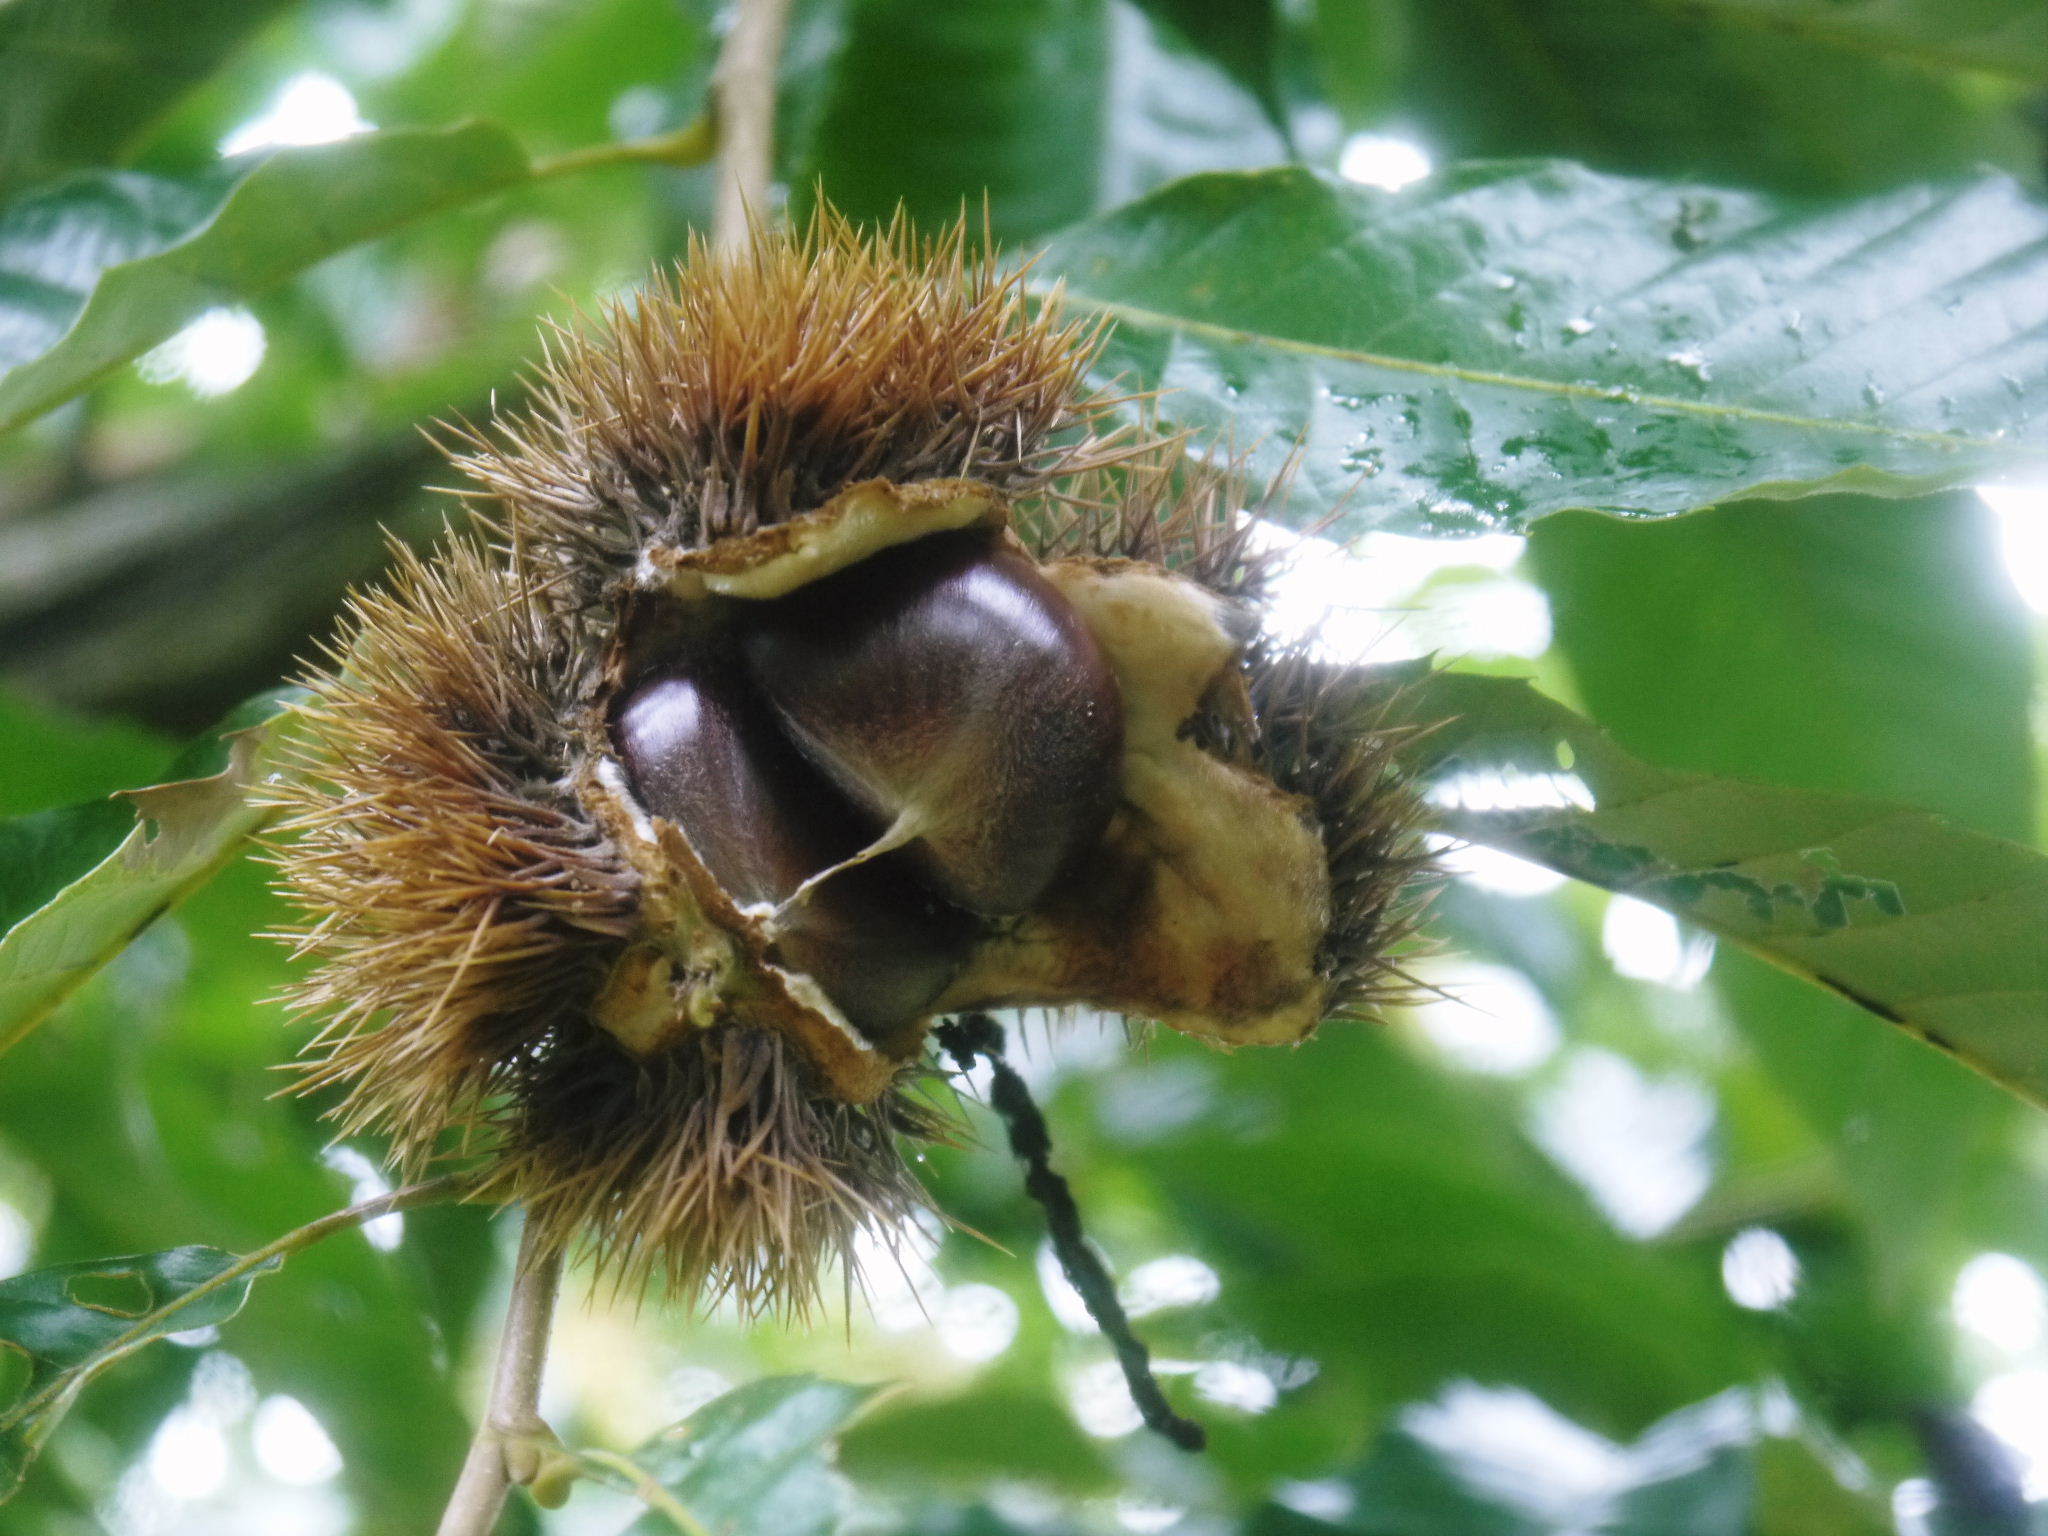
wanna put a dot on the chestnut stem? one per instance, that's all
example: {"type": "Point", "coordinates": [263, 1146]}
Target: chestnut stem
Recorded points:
{"type": "Point", "coordinates": [692, 144]}
{"type": "Point", "coordinates": [513, 1411]}
{"type": "Point", "coordinates": [744, 93]}
{"type": "Point", "coordinates": [977, 1034]}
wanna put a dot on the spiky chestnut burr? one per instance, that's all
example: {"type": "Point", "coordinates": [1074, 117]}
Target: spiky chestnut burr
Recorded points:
{"type": "Point", "coordinates": [813, 669]}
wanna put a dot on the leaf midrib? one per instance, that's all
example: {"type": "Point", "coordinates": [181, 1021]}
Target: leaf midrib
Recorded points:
{"type": "Point", "coordinates": [1613, 394]}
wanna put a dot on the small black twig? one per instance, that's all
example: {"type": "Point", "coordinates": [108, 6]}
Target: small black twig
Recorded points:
{"type": "Point", "coordinates": [976, 1034]}
{"type": "Point", "coordinates": [1976, 1478]}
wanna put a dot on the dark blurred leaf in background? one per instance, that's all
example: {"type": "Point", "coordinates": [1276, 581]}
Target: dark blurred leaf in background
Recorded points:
{"type": "Point", "coordinates": [81, 81]}
{"type": "Point", "coordinates": [1797, 95]}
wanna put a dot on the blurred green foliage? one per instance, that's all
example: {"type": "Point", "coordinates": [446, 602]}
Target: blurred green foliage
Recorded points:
{"type": "Point", "coordinates": [1608, 1240]}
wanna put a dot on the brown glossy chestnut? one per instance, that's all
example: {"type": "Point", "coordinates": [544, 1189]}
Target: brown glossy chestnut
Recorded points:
{"type": "Point", "coordinates": [705, 754]}
{"type": "Point", "coordinates": [948, 689]}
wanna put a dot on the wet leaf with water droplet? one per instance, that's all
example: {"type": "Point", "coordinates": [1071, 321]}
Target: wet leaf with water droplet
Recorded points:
{"type": "Point", "coordinates": [1252, 299]}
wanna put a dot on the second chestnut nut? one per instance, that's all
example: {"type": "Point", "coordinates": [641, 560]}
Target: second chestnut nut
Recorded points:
{"type": "Point", "coordinates": [890, 756]}
{"type": "Point", "coordinates": [948, 688]}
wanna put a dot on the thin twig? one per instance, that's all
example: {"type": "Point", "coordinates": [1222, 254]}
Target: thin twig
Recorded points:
{"type": "Point", "coordinates": [692, 144]}
{"type": "Point", "coordinates": [151, 1324]}
{"type": "Point", "coordinates": [976, 1034]}
{"type": "Point", "coordinates": [513, 1412]}
{"type": "Point", "coordinates": [744, 90]}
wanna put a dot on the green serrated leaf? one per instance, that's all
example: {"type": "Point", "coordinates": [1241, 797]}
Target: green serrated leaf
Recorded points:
{"type": "Point", "coordinates": [56, 240]}
{"type": "Point", "coordinates": [77, 884]}
{"type": "Point", "coordinates": [1839, 644]}
{"type": "Point", "coordinates": [1924, 923]}
{"type": "Point", "coordinates": [291, 210]}
{"type": "Point", "coordinates": [1506, 341]}
{"type": "Point", "coordinates": [753, 1463]}
{"type": "Point", "coordinates": [71, 1321]}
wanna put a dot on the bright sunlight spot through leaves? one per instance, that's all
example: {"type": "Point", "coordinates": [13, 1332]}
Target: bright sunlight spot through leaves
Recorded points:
{"type": "Point", "coordinates": [1510, 788]}
{"type": "Point", "coordinates": [1637, 1144]}
{"type": "Point", "coordinates": [289, 1443]}
{"type": "Point", "coordinates": [189, 1456]}
{"type": "Point", "coordinates": [312, 108]}
{"type": "Point", "coordinates": [1491, 870]}
{"type": "Point", "coordinates": [1759, 1269]}
{"type": "Point", "coordinates": [17, 1240]}
{"type": "Point", "coordinates": [2014, 1407]}
{"type": "Point", "coordinates": [2023, 526]}
{"type": "Point", "coordinates": [1380, 599]}
{"type": "Point", "coordinates": [218, 352]}
{"type": "Point", "coordinates": [2001, 1300]}
{"type": "Point", "coordinates": [1382, 160]}
{"type": "Point", "coordinates": [1515, 1446]}
{"type": "Point", "coordinates": [976, 1322]}
{"type": "Point", "coordinates": [1487, 1018]}
{"type": "Point", "coordinates": [366, 1182]}
{"type": "Point", "coordinates": [1649, 944]}
{"type": "Point", "coordinates": [1175, 1280]}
